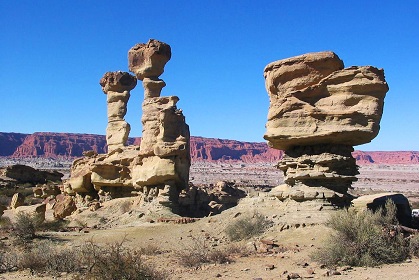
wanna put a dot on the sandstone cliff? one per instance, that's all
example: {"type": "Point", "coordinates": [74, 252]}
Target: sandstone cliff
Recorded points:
{"type": "Point", "coordinates": [9, 142]}
{"type": "Point", "coordinates": [47, 144]}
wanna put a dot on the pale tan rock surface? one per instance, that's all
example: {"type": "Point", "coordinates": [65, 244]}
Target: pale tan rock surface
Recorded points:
{"type": "Point", "coordinates": [64, 206]}
{"type": "Point", "coordinates": [313, 100]}
{"type": "Point", "coordinates": [148, 60]}
{"type": "Point", "coordinates": [159, 168]}
{"type": "Point", "coordinates": [318, 111]}
{"type": "Point", "coordinates": [37, 211]}
{"type": "Point", "coordinates": [117, 87]}
{"type": "Point", "coordinates": [18, 199]}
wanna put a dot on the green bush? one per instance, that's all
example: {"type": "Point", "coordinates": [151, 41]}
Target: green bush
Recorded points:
{"type": "Point", "coordinates": [247, 227]}
{"type": "Point", "coordinates": [364, 238]}
{"type": "Point", "coordinates": [414, 245]}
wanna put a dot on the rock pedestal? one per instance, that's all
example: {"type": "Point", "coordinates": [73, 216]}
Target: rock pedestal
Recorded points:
{"type": "Point", "coordinates": [117, 87]}
{"type": "Point", "coordinates": [165, 137]}
{"type": "Point", "coordinates": [159, 168]}
{"type": "Point", "coordinates": [318, 111]}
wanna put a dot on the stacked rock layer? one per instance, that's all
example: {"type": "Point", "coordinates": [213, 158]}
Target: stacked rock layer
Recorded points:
{"type": "Point", "coordinates": [159, 168]}
{"type": "Point", "coordinates": [318, 111]}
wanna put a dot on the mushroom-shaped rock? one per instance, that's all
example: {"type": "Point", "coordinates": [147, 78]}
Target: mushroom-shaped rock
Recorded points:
{"type": "Point", "coordinates": [117, 81]}
{"type": "Point", "coordinates": [313, 100]}
{"type": "Point", "coordinates": [148, 60]}
{"type": "Point", "coordinates": [318, 110]}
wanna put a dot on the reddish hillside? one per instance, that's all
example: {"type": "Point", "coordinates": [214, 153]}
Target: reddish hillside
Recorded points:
{"type": "Point", "coordinates": [9, 142]}
{"type": "Point", "coordinates": [53, 145]}
{"type": "Point", "coordinates": [212, 149]}
{"type": "Point", "coordinates": [402, 157]}
{"type": "Point", "coordinates": [47, 144]}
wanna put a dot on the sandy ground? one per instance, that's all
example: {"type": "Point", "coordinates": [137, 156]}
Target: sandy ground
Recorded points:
{"type": "Point", "coordinates": [298, 228]}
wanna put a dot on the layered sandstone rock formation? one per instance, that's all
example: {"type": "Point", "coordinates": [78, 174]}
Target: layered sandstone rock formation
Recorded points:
{"type": "Point", "coordinates": [165, 141]}
{"type": "Point", "coordinates": [159, 167]}
{"type": "Point", "coordinates": [117, 87]}
{"type": "Point", "coordinates": [318, 111]}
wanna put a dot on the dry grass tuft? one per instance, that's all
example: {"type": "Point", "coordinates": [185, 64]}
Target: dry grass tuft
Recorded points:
{"type": "Point", "coordinates": [247, 227]}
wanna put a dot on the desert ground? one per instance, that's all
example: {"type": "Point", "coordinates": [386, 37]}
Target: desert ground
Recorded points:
{"type": "Point", "coordinates": [297, 229]}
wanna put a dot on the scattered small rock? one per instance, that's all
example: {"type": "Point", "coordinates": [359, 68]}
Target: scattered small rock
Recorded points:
{"type": "Point", "coordinates": [310, 271]}
{"type": "Point", "coordinates": [269, 267]}
{"type": "Point", "coordinates": [293, 275]}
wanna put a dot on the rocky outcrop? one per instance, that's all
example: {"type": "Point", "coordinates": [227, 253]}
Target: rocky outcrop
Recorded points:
{"type": "Point", "coordinates": [211, 149]}
{"type": "Point", "coordinates": [165, 138]}
{"type": "Point", "coordinates": [64, 206]}
{"type": "Point", "coordinates": [18, 200]}
{"type": "Point", "coordinates": [27, 174]}
{"type": "Point", "coordinates": [313, 99]}
{"type": "Point", "coordinates": [159, 166]}
{"type": "Point", "coordinates": [198, 201]}
{"type": "Point", "coordinates": [399, 157]}
{"type": "Point", "coordinates": [117, 87]}
{"type": "Point", "coordinates": [318, 111]}
{"type": "Point", "coordinates": [376, 201]}
{"type": "Point", "coordinates": [49, 144]}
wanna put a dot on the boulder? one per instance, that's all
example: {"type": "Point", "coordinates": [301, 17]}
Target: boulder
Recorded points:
{"type": "Point", "coordinates": [153, 171]}
{"type": "Point", "coordinates": [27, 174]}
{"type": "Point", "coordinates": [314, 100]}
{"type": "Point", "coordinates": [18, 200]}
{"type": "Point", "coordinates": [375, 201]}
{"type": "Point", "coordinates": [37, 211]}
{"type": "Point", "coordinates": [64, 206]}
{"type": "Point", "coordinates": [44, 191]}
{"type": "Point", "coordinates": [148, 60]}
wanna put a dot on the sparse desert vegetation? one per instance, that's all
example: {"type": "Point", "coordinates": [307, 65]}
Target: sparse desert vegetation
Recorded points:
{"type": "Point", "coordinates": [364, 238]}
{"type": "Point", "coordinates": [260, 237]}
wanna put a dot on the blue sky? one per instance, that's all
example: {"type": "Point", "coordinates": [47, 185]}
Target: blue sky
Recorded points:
{"type": "Point", "coordinates": [53, 54]}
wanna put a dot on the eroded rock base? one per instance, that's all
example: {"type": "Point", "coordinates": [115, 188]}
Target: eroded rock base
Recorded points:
{"type": "Point", "coordinates": [324, 171]}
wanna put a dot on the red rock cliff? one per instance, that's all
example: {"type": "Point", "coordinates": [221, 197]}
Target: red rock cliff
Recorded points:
{"type": "Point", "coordinates": [48, 144]}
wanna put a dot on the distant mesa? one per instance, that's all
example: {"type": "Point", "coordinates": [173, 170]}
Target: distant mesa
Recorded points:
{"type": "Point", "coordinates": [72, 145]}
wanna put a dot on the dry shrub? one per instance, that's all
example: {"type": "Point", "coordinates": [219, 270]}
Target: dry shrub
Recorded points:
{"type": "Point", "coordinates": [237, 250]}
{"type": "Point", "coordinates": [5, 223]}
{"type": "Point", "coordinates": [89, 261]}
{"type": "Point", "coordinates": [200, 252]}
{"type": "Point", "coordinates": [363, 238]}
{"type": "Point", "coordinates": [247, 227]}
{"type": "Point", "coordinates": [5, 200]}
{"type": "Point", "coordinates": [150, 250]}
{"type": "Point", "coordinates": [54, 225]}
{"type": "Point", "coordinates": [25, 227]}
{"type": "Point", "coordinates": [47, 257]}
{"type": "Point", "coordinates": [114, 261]}
{"type": "Point", "coordinates": [414, 245]}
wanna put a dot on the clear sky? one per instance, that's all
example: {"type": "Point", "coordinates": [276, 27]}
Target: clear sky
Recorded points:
{"type": "Point", "coordinates": [53, 54]}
